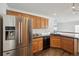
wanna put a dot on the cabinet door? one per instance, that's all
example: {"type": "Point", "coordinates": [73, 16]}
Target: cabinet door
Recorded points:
{"type": "Point", "coordinates": [34, 22]}
{"type": "Point", "coordinates": [67, 44]}
{"type": "Point", "coordinates": [35, 46]}
{"type": "Point", "coordinates": [40, 43]}
{"type": "Point", "coordinates": [38, 23]}
{"type": "Point", "coordinates": [42, 22]}
{"type": "Point", "coordinates": [51, 40]}
{"type": "Point", "coordinates": [46, 23]}
{"type": "Point", "coordinates": [55, 41]}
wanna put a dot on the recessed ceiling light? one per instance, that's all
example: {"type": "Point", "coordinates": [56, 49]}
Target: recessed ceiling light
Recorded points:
{"type": "Point", "coordinates": [73, 7]}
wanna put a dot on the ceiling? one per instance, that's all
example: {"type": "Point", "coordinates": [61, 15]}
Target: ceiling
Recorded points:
{"type": "Point", "coordinates": [62, 11]}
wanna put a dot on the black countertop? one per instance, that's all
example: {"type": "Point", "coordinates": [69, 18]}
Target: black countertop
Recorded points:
{"type": "Point", "coordinates": [39, 36]}
{"type": "Point", "coordinates": [65, 36]}
{"type": "Point", "coordinates": [55, 35]}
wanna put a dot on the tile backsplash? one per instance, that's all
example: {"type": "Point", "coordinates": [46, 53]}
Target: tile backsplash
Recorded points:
{"type": "Point", "coordinates": [39, 31]}
{"type": "Point", "coordinates": [42, 31]}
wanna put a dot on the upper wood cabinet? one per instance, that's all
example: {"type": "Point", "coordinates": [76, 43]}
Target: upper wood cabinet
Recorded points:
{"type": "Point", "coordinates": [46, 22]}
{"type": "Point", "coordinates": [14, 13]}
{"type": "Point", "coordinates": [42, 22]}
{"type": "Point", "coordinates": [34, 22]}
{"type": "Point", "coordinates": [8, 12]}
{"type": "Point", "coordinates": [37, 21]}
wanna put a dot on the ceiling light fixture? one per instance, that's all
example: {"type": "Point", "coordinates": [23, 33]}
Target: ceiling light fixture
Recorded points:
{"type": "Point", "coordinates": [75, 8]}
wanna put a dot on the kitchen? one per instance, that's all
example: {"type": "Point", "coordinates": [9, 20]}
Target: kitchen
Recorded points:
{"type": "Point", "coordinates": [39, 29]}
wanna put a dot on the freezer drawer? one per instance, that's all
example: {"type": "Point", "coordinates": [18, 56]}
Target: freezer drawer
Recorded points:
{"type": "Point", "coordinates": [10, 53]}
{"type": "Point", "coordinates": [22, 51]}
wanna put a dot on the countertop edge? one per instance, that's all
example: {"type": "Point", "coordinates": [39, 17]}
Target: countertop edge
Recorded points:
{"type": "Point", "coordinates": [56, 35]}
{"type": "Point", "coordinates": [64, 36]}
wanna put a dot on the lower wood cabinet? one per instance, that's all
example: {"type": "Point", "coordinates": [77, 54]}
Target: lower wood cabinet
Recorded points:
{"type": "Point", "coordinates": [55, 41]}
{"type": "Point", "coordinates": [37, 44]}
{"type": "Point", "coordinates": [62, 42]}
{"type": "Point", "coordinates": [67, 44]}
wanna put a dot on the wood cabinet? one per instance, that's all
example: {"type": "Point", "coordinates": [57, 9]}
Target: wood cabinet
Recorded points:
{"type": "Point", "coordinates": [46, 22]}
{"type": "Point", "coordinates": [67, 44]}
{"type": "Point", "coordinates": [40, 43]}
{"type": "Point", "coordinates": [37, 21]}
{"type": "Point", "coordinates": [38, 25]}
{"type": "Point", "coordinates": [42, 22]}
{"type": "Point", "coordinates": [62, 42]}
{"type": "Point", "coordinates": [14, 13]}
{"type": "Point", "coordinates": [34, 22]}
{"type": "Point", "coordinates": [55, 41]}
{"type": "Point", "coordinates": [37, 44]}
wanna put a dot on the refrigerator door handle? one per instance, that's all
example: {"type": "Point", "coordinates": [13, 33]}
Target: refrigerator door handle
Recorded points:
{"type": "Point", "coordinates": [21, 33]}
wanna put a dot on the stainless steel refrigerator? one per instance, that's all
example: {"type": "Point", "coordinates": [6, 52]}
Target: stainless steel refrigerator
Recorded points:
{"type": "Point", "coordinates": [17, 36]}
{"type": "Point", "coordinates": [24, 36]}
